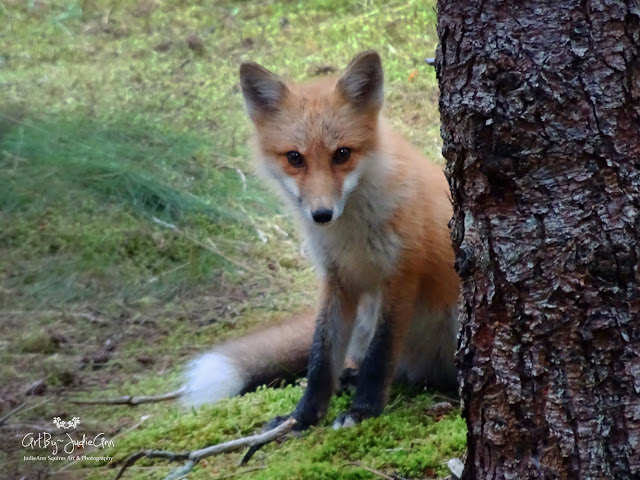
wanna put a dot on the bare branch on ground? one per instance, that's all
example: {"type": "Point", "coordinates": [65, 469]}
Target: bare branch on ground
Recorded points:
{"type": "Point", "coordinates": [193, 457]}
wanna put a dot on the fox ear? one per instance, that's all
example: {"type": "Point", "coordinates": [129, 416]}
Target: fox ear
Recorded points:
{"type": "Point", "coordinates": [263, 91]}
{"type": "Point", "coordinates": [363, 81]}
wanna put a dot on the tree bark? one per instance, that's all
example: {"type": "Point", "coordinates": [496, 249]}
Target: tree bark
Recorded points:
{"type": "Point", "coordinates": [540, 106]}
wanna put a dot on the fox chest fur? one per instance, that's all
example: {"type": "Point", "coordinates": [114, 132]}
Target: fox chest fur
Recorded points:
{"type": "Point", "coordinates": [360, 248]}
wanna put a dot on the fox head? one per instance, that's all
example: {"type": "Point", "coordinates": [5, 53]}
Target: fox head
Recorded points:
{"type": "Point", "coordinates": [314, 139]}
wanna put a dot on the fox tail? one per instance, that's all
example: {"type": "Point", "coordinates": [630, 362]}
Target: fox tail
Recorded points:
{"type": "Point", "coordinates": [276, 352]}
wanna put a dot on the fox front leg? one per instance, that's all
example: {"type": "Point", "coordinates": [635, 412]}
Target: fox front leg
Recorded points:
{"type": "Point", "coordinates": [326, 359]}
{"type": "Point", "coordinates": [380, 361]}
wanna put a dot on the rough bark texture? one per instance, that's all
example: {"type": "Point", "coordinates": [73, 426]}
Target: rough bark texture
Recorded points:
{"type": "Point", "coordinates": [540, 105]}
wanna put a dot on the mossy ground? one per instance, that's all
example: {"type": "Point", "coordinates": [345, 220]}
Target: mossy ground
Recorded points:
{"type": "Point", "coordinates": [133, 233]}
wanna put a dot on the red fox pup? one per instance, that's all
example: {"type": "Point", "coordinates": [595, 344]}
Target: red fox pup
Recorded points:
{"type": "Point", "coordinates": [374, 214]}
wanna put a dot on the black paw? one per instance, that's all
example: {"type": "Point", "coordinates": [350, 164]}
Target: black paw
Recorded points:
{"type": "Point", "coordinates": [351, 417]}
{"type": "Point", "coordinates": [280, 419]}
{"type": "Point", "coordinates": [275, 422]}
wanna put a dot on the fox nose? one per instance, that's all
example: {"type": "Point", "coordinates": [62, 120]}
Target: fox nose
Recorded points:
{"type": "Point", "coordinates": [322, 215]}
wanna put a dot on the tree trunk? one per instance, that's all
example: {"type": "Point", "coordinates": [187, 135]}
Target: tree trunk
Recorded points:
{"type": "Point", "coordinates": [540, 105]}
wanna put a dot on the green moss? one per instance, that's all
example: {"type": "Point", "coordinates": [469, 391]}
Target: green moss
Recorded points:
{"type": "Point", "coordinates": [403, 440]}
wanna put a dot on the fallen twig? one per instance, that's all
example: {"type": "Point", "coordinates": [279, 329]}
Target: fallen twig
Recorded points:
{"type": "Point", "coordinates": [24, 407]}
{"type": "Point", "coordinates": [240, 173]}
{"type": "Point", "coordinates": [4, 419]}
{"type": "Point", "coordinates": [192, 458]}
{"type": "Point", "coordinates": [132, 399]}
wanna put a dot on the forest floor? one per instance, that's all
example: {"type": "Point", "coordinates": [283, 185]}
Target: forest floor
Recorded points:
{"type": "Point", "coordinates": [134, 234]}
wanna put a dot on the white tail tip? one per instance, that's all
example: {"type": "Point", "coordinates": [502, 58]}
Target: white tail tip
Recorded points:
{"type": "Point", "coordinates": [210, 378]}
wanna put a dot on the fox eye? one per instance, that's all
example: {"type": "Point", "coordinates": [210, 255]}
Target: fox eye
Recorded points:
{"type": "Point", "coordinates": [295, 159]}
{"type": "Point", "coordinates": [341, 155]}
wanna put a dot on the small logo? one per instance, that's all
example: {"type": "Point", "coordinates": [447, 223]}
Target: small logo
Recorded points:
{"type": "Point", "coordinates": [64, 444]}
{"type": "Point", "coordinates": [73, 423]}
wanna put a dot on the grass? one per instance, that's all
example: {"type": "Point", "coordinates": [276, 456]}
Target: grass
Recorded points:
{"type": "Point", "coordinates": [141, 180]}
{"type": "Point", "coordinates": [133, 233]}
